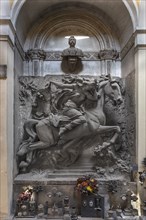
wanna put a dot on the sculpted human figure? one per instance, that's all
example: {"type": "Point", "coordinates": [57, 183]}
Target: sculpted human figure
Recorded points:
{"type": "Point", "coordinates": [72, 54]}
{"type": "Point", "coordinates": [72, 50]}
{"type": "Point", "coordinates": [82, 90]}
{"type": "Point", "coordinates": [74, 114]}
{"type": "Point", "coordinates": [73, 108]}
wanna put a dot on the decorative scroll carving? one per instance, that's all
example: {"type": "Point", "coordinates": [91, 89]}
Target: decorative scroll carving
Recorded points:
{"type": "Point", "coordinates": [35, 54]}
{"type": "Point", "coordinates": [108, 54]}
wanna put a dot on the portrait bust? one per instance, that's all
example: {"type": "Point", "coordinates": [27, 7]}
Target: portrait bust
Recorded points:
{"type": "Point", "coordinates": [72, 54]}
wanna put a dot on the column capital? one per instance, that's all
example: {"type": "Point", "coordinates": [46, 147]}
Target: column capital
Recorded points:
{"type": "Point", "coordinates": [108, 54]}
{"type": "Point", "coordinates": [35, 54]}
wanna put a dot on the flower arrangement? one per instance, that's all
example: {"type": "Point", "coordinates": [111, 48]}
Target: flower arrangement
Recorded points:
{"type": "Point", "coordinates": [87, 184]}
{"type": "Point", "coordinates": [25, 195]}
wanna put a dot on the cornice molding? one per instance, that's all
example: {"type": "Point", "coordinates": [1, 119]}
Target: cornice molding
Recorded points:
{"type": "Point", "coordinates": [7, 21]}
{"type": "Point", "coordinates": [11, 36]}
{"type": "Point", "coordinates": [139, 47]}
{"type": "Point", "coordinates": [140, 31]}
{"type": "Point", "coordinates": [8, 39]}
{"type": "Point", "coordinates": [7, 29]}
{"type": "Point", "coordinates": [131, 42]}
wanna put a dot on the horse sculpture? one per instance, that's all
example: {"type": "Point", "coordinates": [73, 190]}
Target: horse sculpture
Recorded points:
{"type": "Point", "coordinates": [89, 96]}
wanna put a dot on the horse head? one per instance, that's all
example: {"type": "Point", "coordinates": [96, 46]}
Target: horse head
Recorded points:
{"type": "Point", "coordinates": [112, 90]}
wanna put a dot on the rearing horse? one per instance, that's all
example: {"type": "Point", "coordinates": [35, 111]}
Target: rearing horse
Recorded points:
{"type": "Point", "coordinates": [96, 119]}
{"type": "Point", "coordinates": [47, 135]}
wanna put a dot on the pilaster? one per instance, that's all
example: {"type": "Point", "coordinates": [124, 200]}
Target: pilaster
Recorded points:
{"type": "Point", "coordinates": [6, 116]}
{"type": "Point", "coordinates": [140, 69]}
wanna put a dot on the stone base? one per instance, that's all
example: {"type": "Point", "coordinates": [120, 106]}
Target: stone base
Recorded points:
{"type": "Point", "coordinates": [130, 217]}
{"type": "Point", "coordinates": [80, 218]}
{"type": "Point", "coordinates": [127, 213]}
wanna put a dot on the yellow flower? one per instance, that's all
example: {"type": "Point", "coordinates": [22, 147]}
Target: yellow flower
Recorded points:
{"type": "Point", "coordinates": [89, 188]}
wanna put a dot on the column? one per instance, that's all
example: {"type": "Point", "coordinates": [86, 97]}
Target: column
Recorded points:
{"type": "Point", "coordinates": [140, 69]}
{"type": "Point", "coordinates": [6, 118]}
{"type": "Point", "coordinates": [35, 58]}
{"type": "Point", "coordinates": [140, 61]}
{"type": "Point", "coordinates": [108, 59]}
{"type": "Point", "coordinates": [3, 146]}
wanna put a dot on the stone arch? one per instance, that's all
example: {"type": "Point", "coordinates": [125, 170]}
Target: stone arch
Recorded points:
{"type": "Point", "coordinates": [122, 10]}
{"type": "Point", "coordinates": [131, 6]}
{"type": "Point", "coordinates": [72, 21]}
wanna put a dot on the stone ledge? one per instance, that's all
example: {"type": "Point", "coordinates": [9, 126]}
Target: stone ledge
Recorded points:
{"type": "Point", "coordinates": [80, 218]}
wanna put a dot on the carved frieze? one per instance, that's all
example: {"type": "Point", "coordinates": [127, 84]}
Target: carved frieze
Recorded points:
{"type": "Point", "coordinates": [93, 56]}
{"type": "Point", "coordinates": [57, 55]}
{"type": "Point", "coordinates": [53, 55]}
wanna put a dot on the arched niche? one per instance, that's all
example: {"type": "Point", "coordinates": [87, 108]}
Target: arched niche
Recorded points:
{"type": "Point", "coordinates": [49, 31]}
{"type": "Point", "coordinates": [109, 25]}
{"type": "Point", "coordinates": [73, 20]}
{"type": "Point", "coordinates": [121, 16]}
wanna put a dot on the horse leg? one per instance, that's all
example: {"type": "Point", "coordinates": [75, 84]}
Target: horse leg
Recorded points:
{"type": "Point", "coordinates": [38, 145]}
{"type": "Point", "coordinates": [29, 154]}
{"type": "Point", "coordinates": [46, 133]}
{"type": "Point", "coordinates": [104, 129]}
{"type": "Point", "coordinates": [24, 164]}
{"type": "Point", "coordinates": [29, 128]}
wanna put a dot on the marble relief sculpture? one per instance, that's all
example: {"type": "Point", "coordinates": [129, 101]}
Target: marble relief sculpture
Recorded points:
{"type": "Point", "coordinates": [75, 115]}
